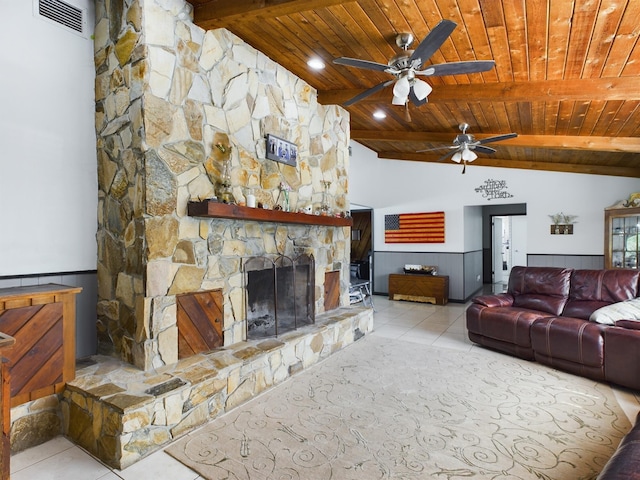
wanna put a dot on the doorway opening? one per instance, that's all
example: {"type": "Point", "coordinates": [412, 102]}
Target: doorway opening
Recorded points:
{"type": "Point", "coordinates": [508, 246]}
{"type": "Point", "coordinates": [362, 242]}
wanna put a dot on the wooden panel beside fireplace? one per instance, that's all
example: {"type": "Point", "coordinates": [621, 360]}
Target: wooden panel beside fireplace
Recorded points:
{"type": "Point", "coordinates": [199, 319]}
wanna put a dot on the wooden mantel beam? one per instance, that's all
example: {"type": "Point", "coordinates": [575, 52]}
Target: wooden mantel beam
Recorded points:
{"type": "Point", "coordinates": [585, 89]}
{"type": "Point", "coordinates": [562, 142]}
{"type": "Point", "coordinates": [224, 13]}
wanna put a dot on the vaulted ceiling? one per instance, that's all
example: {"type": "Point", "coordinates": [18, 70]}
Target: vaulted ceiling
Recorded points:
{"type": "Point", "coordinates": [566, 75]}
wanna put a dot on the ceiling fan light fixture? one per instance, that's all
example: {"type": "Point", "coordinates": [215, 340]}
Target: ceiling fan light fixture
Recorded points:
{"type": "Point", "coordinates": [398, 101]}
{"type": "Point", "coordinates": [457, 157]}
{"type": "Point", "coordinates": [402, 88]}
{"type": "Point", "coordinates": [468, 155]}
{"type": "Point", "coordinates": [421, 88]}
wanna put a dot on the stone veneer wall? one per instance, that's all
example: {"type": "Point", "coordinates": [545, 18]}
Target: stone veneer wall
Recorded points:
{"type": "Point", "coordinates": [166, 93]}
{"type": "Point", "coordinates": [121, 414]}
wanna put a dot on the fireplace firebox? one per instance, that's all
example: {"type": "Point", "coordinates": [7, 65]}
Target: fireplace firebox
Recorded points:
{"type": "Point", "coordinates": [279, 294]}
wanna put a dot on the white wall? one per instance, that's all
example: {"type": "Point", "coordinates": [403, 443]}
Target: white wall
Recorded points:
{"type": "Point", "coordinates": [48, 178]}
{"type": "Point", "coordinates": [397, 186]}
{"type": "Point", "coordinates": [473, 228]}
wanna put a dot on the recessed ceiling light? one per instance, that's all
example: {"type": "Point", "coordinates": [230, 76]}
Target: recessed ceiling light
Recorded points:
{"type": "Point", "coordinates": [379, 114]}
{"type": "Point", "coordinates": [316, 64]}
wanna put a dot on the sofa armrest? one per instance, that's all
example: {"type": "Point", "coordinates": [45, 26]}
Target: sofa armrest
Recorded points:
{"type": "Point", "coordinates": [628, 324]}
{"type": "Point", "coordinates": [622, 355]}
{"type": "Point", "coordinates": [497, 300]}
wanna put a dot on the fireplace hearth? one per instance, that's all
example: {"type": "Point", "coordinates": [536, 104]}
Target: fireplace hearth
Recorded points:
{"type": "Point", "coordinates": [279, 294]}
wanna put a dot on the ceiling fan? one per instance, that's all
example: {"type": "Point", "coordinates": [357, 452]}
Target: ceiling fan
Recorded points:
{"type": "Point", "coordinates": [465, 146]}
{"type": "Point", "coordinates": [406, 67]}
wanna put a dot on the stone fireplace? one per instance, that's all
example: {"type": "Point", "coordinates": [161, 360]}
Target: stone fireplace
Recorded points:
{"type": "Point", "coordinates": [173, 104]}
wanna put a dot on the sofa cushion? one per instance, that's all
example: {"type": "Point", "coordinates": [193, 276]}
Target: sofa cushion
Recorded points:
{"type": "Point", "coordinates": [593, 289]}
{"type": "Point", "coordinates": [564, 341]}
{"type": "Point", "coordinates": [610, 314]}
{"type": "Point", "coordinates": [506, 324]}
{"type": "Point", "coordinates": [544, 289]}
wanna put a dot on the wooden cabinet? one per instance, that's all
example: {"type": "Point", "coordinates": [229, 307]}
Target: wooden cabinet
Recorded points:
{"type": "Point", "coordinates": [621, 235]}
{"type": "Point", "coordinates": [42, 320]}
{"type": "Point", "coordinates": [419, 288]}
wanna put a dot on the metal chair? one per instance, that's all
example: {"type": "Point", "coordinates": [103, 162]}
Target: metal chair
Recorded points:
{"type": "Point", "coordinates": [359, 288]}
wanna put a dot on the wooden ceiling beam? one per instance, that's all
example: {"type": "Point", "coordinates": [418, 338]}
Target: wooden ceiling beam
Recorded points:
{"type": "Point", "coordinates": [585, 89]}
{"type": "Point", "coordinates": [506, 163]}
{"type": "Point", "coordinates": [563, 142]}
{"type": "Point", "coordinates": [224, 13]}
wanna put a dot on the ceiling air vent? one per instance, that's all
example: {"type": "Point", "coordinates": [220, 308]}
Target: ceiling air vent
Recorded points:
{"type": "Point", "coordinates": [61, 13]}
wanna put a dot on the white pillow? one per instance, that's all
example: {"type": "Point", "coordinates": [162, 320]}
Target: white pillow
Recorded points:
{"type": "Point", "coordinates": [627, 310]}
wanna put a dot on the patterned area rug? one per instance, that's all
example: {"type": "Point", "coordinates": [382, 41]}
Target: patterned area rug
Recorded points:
{"type": "Point", "coordinates": [387, 409]}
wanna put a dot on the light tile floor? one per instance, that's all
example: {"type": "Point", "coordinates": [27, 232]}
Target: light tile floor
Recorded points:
{"type": "Point", "coordinates": [414, 322]}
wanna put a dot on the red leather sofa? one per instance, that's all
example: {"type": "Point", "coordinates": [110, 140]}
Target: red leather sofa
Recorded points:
{"type": "Point", "coordinates": [544, 316]}
{"type": "Point", "coordinates": [625, 462]}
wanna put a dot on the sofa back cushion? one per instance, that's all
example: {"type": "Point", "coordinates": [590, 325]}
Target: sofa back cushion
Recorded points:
{"type": "Point", "coordinates": [594, 289]}
{"type": "Point", "coordinates": [545, 289]}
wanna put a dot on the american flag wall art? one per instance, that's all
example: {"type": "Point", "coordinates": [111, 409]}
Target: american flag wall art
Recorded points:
{"type": "Point", "coordinates": [414, 228]}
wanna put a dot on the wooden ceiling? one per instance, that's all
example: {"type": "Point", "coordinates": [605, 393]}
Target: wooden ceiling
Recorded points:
{"type": "Point", "coordinates": [566, 79]}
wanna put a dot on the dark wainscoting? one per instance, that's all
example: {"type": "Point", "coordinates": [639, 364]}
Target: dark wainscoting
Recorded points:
{"type": "Point", "coordinates": [463, 269]}
{"type": "Point", "coordinates": [586, 262]}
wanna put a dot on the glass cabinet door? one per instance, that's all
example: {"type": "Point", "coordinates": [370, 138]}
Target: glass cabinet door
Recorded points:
{"type": "Point", "coordinates": [624, 241]}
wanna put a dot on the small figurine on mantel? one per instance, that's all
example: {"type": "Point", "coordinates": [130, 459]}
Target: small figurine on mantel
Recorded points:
{"type": "Point", "coordinates": [218, 167]}
{"type": "Point", "coordinates": [224, 193]}
{"type": "Point", "coordinates": [283, 201]}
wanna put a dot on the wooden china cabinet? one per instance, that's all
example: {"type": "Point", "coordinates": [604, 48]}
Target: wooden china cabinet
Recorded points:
{"type": "Point", "coordinates": [621, 237]}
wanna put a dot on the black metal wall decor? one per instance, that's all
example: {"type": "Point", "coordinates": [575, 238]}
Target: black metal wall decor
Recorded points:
{"type": "Point", "coordinates": [494, 189]}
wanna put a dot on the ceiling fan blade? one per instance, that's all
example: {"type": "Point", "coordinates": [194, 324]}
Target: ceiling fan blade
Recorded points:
{"type": "Point", "coordinates": [497, 138]}
{"type": "Point", "coordinates": [366, 64]}
{"type": "Point", "coordinates": [447, 155]}
{"type": "Point", "coordinates": [456, 68]}
{"type": "Point", "coordinates": [483, 149]}
{"type": "Point", "coordinates": [432, 42]}
{"type": "Point", "coordinates": [366, 93]}
{"type": "Point", "coordinates": [443, 147]}
{"type": "Point", "coordinates": [402, 88]}
{"type": "Point", "coordinates": [415, 100]}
